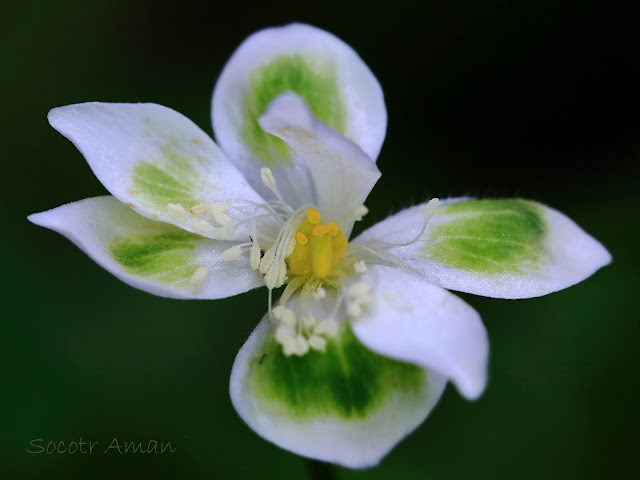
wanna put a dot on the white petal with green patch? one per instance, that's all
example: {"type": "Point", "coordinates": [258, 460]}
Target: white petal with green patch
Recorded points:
{"type": "Point", "coordinates": [157, 161]}
{"type": "Point", "coordinates": [502, 248]}
{"type": "Point", "coordinates": [342, 174]}
{"type": "Point", "coordinates": [347, 405]}
{"type": "Point", "coordinates": [418, 322]}
{"type": "Point", "coordinates": [335, 83]}
{"type": "Point", "coordinates": [153, 256]}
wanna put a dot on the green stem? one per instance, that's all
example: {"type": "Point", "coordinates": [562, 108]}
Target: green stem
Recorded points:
{"type": "Point", "coordinates": [320, 470]}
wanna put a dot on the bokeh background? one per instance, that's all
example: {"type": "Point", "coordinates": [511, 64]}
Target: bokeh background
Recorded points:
{"type": "Point", "coordinates": [492, 98]}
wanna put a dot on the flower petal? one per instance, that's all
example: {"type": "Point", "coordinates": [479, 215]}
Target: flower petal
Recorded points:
{"type": "Point", "coordinates": [506, 248]}
{"type": "Point", "coordinates": [337, 85]}
{"type": "Point", "coordinates": [347, 405]}
{"type": "Point", "coordinates": [156, 160]}
{"type": "Point", "coordinates": [419, 322]}
{"type": "Point", "coordinates": [152, 256]}
{"type": "Point", "coordinates": [343, 175]}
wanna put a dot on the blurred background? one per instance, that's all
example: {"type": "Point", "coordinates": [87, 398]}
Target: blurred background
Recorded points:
{"type": "Point", "coordinates": [491, 98]}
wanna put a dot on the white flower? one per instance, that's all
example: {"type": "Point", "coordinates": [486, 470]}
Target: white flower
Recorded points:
{"type": "Point", "coordinates": [359, 346]}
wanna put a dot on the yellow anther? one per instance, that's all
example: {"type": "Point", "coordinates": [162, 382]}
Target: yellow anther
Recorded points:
{"type": "Point", "coordinates": [313, 216]}
{"type": "Point", "coordinates": [332, 229]}
{"type": "Point", "coordinates": [302, 238]}
{"type": "Point", "coordinates": [320, 230]}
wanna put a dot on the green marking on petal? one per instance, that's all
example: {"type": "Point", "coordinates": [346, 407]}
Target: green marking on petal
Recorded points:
{"type": "Point", "coordinates": [166, 257]}
{"type": "Point", "coordinates": [348, 381]}
{"type": "Point", "coordinates": [488, 236]}
{"type": "Point", "coordinates": [313, 79]}
{"type": "Point", "coordinates": [169, 179]}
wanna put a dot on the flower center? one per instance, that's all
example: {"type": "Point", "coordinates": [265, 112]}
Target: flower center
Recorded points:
{"type": "Point", "coordinates": [295, 247]}
{"type": "Point", "coordinates": [317, 247]}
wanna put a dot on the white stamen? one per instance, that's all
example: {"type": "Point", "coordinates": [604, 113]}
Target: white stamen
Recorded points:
{"type": "Point", "coordinates": [302, 345]}
{"type": "Point", "coordinates": [289, 346]}
{"type": "Point", "coordinates": [284, 315]}
{"type": "Point", "coordinates": [276, 275]}
{"type": "Point", "coordinates": [379, 254]}
{"type": "Point", "coordinates": [176, 209]}
{"type": "Point", "coordinates": [327, 327]}
{"type": "Point", "coordinates": [292, 287]}
{"type": "Point", "coordinates": [273, 264]}
{"type": "Point", "coordinates": [267, 178]}
{"type": "Point", "coordinates": [199, 276]}
{"type": "Point", "coordinates": [429, 211]}
{"type": "Point", "coordinates": [218, 210]}
{"type": "Point", "coordinates": [200, 208]}
{"type": "Point", "coordinates": [360, 266]}
{"type": "Point", "coordinates": [284, 334]}
{"type": "Point", "coordinates": [222, 218]}
{"type": "Point", "coordinates": [267, 260]}
{"type": "Point", "coordinates": [317, 343]}
{"type": "Point", "coordinates": [288, 318]}
{"type": "Point", "coordinates": [360, 212]}
{"type": "Point", "coordinates": [354, 309]}
{"type": "Point", "coordinates": [290, 247]}
{"type": "Point", "coordinates": [254, 256]}
{"type": "Point", "coordinates": [319, 293]}
{"type": "Point", "coordinates": [309, 321]}
{"type": "Point", "coordinates": [218, 207]}
{"type": "Point", "coordinates": [202, 226]}
{"type": "Point", "coordinates": [278, 311]}
{"type": "Point", "coordinates": [231, 253]}
{"type": "Point", "coordinates": [270, 182]}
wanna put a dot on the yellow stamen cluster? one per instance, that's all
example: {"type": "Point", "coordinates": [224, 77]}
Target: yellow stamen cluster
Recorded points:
{"type": "Point", "coordinates": [317, 247]}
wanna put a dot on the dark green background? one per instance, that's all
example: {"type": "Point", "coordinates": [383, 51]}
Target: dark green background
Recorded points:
{"type": "Point", "coordinates": [531, 98]}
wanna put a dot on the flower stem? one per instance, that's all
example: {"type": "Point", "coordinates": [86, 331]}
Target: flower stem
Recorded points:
{"type": "Point", "coordinates": [320, 470]}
